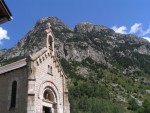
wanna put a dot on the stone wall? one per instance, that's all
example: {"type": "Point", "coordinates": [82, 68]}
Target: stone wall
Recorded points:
{"type": "Point", "coordinates": [6, 79]}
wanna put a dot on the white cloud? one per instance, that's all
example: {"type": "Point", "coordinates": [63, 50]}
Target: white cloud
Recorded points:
{"type": "Point", "coordinates": [121, 29]}
{"type": "Point", "coordinates": [143, 33]}
{"type": "Point", "coordinates": [136, 27]}
{"type": "Point", "coordinates": [3, 35]}
{"type": "Point", "coordinates": [147, 38]}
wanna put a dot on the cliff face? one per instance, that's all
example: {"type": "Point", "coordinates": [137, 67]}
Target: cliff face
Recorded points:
{"type": "Point", "coordinates": [125, 53]}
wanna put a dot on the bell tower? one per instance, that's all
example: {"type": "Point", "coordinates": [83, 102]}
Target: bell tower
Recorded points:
{"type": "Point", "coordinates": [50, 38]}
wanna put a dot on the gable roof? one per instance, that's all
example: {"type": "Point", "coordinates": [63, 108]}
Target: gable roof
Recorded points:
{"type": "Point", "coordinates": [13, 66]}
{"type": "Point", "coordinates": [38, 54]}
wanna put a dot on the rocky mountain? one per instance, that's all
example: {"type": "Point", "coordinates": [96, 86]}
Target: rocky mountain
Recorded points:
{"type": "Point", "coordinates": [126, 53]}
{"type": "Point", "coordinates": [93, 54]}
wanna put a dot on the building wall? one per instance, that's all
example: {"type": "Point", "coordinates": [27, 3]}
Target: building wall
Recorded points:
{"type": "Point", "coordinates": [6, 79]}
{"type": "Point", "coordinates": [43, 79]}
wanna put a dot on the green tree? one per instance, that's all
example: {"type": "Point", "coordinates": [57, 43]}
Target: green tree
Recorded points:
{"type": "Point", "coordinates": [146, 105]}
{"type": "Point", "coordinates": [133, 105]}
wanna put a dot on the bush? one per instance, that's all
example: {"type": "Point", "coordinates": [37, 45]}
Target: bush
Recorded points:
{"type": "Point", "coordinates": [146, 107]}
{"type": "Point", "coordinates": [133, 105]}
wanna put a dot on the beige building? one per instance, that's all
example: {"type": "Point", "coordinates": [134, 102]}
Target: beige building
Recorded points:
{"type": "Point", "coordinates": [36, 84]}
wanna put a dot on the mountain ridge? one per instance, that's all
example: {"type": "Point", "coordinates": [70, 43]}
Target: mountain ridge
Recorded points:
{"type": "Point", "coordinates": [104, 67]}
{"type": "Point", "coordinates": [85, 40]}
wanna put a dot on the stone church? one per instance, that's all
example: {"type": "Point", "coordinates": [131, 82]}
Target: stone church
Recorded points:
{"type": "Point", "coordinates": [36, 84]}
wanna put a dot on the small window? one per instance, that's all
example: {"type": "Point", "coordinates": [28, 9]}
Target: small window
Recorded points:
{"type": "Point", "coordinates": [49, 69]}
{"type": "Point", "coordinates": [13, 94]}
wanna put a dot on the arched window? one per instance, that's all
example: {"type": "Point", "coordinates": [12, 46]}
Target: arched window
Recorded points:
{"type": "Point", "coordinates": [50, 41]}
{"type": "Point", "coordinates": [13, 94]}
{"type": "Point", "coordinates": [48, 95]}
{"type": "Point", "coordinates": [49, 69]}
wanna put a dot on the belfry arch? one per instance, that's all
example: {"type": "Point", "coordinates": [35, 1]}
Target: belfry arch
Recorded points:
{"type": "Point", "coordinates": [50, 41]}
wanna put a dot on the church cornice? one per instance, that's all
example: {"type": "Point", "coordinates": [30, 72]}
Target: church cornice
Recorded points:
{"type": "Point", "coordinates": [38, 54]}
{"type": "Point", "coordinates": [60, 69]}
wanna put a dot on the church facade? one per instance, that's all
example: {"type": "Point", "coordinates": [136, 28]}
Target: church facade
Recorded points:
{"type": "Point", "coordinates": [36, 84]}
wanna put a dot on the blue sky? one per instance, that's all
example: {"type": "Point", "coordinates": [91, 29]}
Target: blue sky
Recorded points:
{"type": "Point", "coordinates": [124, 16]}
